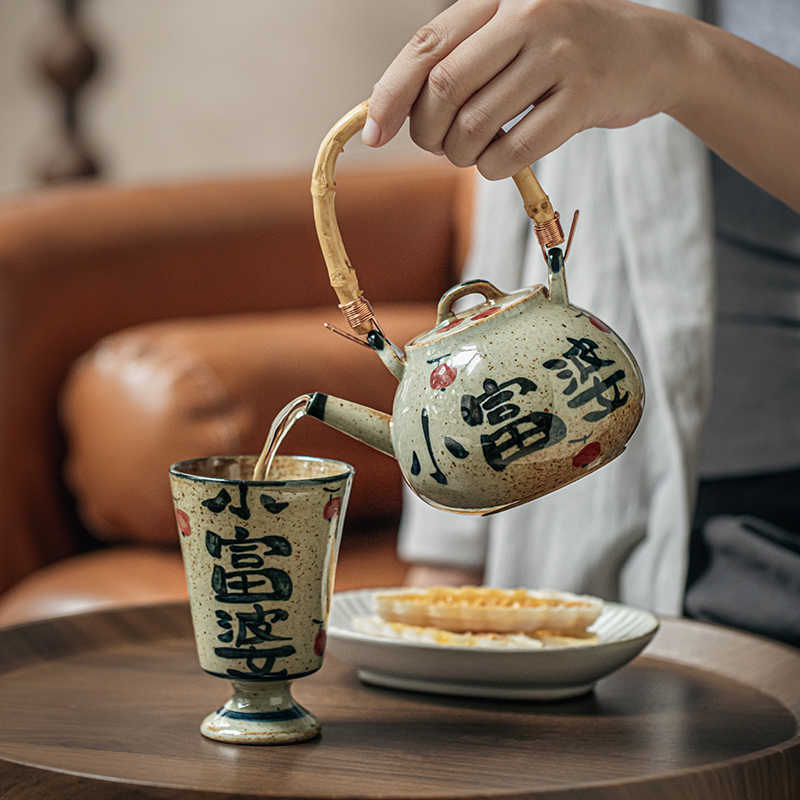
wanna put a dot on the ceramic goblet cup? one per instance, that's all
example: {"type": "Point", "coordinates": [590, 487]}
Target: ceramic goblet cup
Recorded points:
{"type": "Point", "coordinates": [260, 558]}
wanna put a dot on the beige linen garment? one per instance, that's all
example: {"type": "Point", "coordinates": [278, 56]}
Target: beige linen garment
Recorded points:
{"type": "Point", "coordinates": [642, 261]}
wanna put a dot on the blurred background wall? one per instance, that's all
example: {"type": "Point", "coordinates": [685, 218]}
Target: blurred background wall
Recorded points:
{"type": "Point", "coordinates": [187, 89]}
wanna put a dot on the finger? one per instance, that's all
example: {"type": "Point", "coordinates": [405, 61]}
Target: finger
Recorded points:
{"type": "Point", "coordinates": [458, 76]}
{"type": "Point", "coordinates": [485, 112]}
{"type": "Point", "coordinates": [549, 124]}
{"type": "Point", "coordinates": [396, 91]}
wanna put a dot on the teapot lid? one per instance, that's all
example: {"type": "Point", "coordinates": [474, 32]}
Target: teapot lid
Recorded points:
{"type": "Point", "coordinates": [449, 322]}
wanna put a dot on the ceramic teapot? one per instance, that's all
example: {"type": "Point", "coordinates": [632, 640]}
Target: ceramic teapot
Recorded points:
{"type": "Point", "coordinates": [499, 403]}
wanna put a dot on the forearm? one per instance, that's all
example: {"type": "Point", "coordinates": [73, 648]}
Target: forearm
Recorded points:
{"type": "Point", "coordinates": [744, 103]}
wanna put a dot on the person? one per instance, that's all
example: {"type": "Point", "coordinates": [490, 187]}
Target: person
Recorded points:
{"type": "Point", "coordinates": [661, 229]}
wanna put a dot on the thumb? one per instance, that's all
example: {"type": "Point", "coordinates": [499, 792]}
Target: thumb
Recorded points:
{"type": "Point", "coordinates": [394, 94]}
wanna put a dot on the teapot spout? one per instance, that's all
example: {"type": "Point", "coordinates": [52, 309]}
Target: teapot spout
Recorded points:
{"type": "Point", "coordinates": [361, 422]}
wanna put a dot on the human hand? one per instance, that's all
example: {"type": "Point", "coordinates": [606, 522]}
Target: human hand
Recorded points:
{"type": "Point", "coordinates": [422, 576]}
{"type": "Point", "coordinates": [480, 63]}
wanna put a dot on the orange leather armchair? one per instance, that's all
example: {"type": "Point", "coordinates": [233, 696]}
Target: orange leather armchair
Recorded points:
{"type": "Point", "coordinates": [144, 325]}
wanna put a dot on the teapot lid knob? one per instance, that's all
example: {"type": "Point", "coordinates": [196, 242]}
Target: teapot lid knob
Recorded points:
{"type": "Point", "coordinates": [445, 308]}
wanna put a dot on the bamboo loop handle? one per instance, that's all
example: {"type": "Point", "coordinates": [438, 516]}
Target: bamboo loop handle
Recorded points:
{"type": "Point", "coordinates": [537, 203]}
{"type": "Point", "coordinates": [538, 207]}
{"type": "Point", "coordinates": [342, 276]}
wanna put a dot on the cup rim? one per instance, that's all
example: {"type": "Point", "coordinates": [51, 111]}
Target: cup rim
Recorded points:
{"type": "Point", "coordinates": [177, 469]}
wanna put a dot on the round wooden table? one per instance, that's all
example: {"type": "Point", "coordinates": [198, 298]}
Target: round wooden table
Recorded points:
{"type": "Point", "coordinates": [108, 705]}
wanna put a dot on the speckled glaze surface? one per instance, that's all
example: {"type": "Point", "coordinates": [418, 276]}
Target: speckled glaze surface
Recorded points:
{"type": "Point", "coordinates": [260, 560]}
{"type": "Point", "coordinates": [505, 401]}
{"type": "Point", "coordinates": [521, 396]}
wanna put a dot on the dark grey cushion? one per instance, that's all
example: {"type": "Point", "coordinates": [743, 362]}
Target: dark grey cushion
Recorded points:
{"type": "Point", "coordinates": [753, 578]}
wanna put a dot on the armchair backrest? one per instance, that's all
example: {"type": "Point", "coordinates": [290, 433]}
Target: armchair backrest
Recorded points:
{"type": "Point", "coordinates": [79, 263]}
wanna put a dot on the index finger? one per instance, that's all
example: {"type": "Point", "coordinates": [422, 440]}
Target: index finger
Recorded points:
{"type": "Point", "coordinates": [396, 91]}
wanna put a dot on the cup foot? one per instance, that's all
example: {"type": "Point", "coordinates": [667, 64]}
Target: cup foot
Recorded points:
{"type": "Point", "coordinates": [261, 714]}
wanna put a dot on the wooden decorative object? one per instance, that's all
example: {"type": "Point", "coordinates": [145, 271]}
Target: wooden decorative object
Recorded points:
{"type": "Point", "coordinates": [107, 705]}
{"type": "Point", "coordinates": [343, 278]}
{"type": "Point", "coordinates": [67, 61]}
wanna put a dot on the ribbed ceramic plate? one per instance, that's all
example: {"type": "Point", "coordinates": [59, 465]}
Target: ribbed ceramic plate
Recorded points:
{"type": "Point", "coordinates": [547, 674]}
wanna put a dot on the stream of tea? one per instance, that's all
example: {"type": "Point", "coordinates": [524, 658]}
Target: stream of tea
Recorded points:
{"type": "Point", "coordinates": [281, 425]}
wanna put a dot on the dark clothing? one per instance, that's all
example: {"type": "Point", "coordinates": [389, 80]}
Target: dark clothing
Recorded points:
{"type": "Point", "coordinates": [744, 555]}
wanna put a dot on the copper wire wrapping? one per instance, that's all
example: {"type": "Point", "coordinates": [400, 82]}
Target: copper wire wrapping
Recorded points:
{"type": "Point", "coordinates": [359, 314]}
{"type": "Point", "coordinates": [549, 233]}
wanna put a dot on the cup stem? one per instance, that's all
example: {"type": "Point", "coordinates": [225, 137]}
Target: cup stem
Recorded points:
{"type": "Point", "coordinates": [261, 713]}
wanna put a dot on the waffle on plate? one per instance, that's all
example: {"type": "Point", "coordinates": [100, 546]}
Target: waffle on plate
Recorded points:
{"type": "Point", "coordinates": [481, 609]}
{"type": "Point", "coordinates": [535, 640]}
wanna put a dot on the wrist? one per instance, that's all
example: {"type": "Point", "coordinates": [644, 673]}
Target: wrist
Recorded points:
{"type": "Point", "coordinates": [688, 65]}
